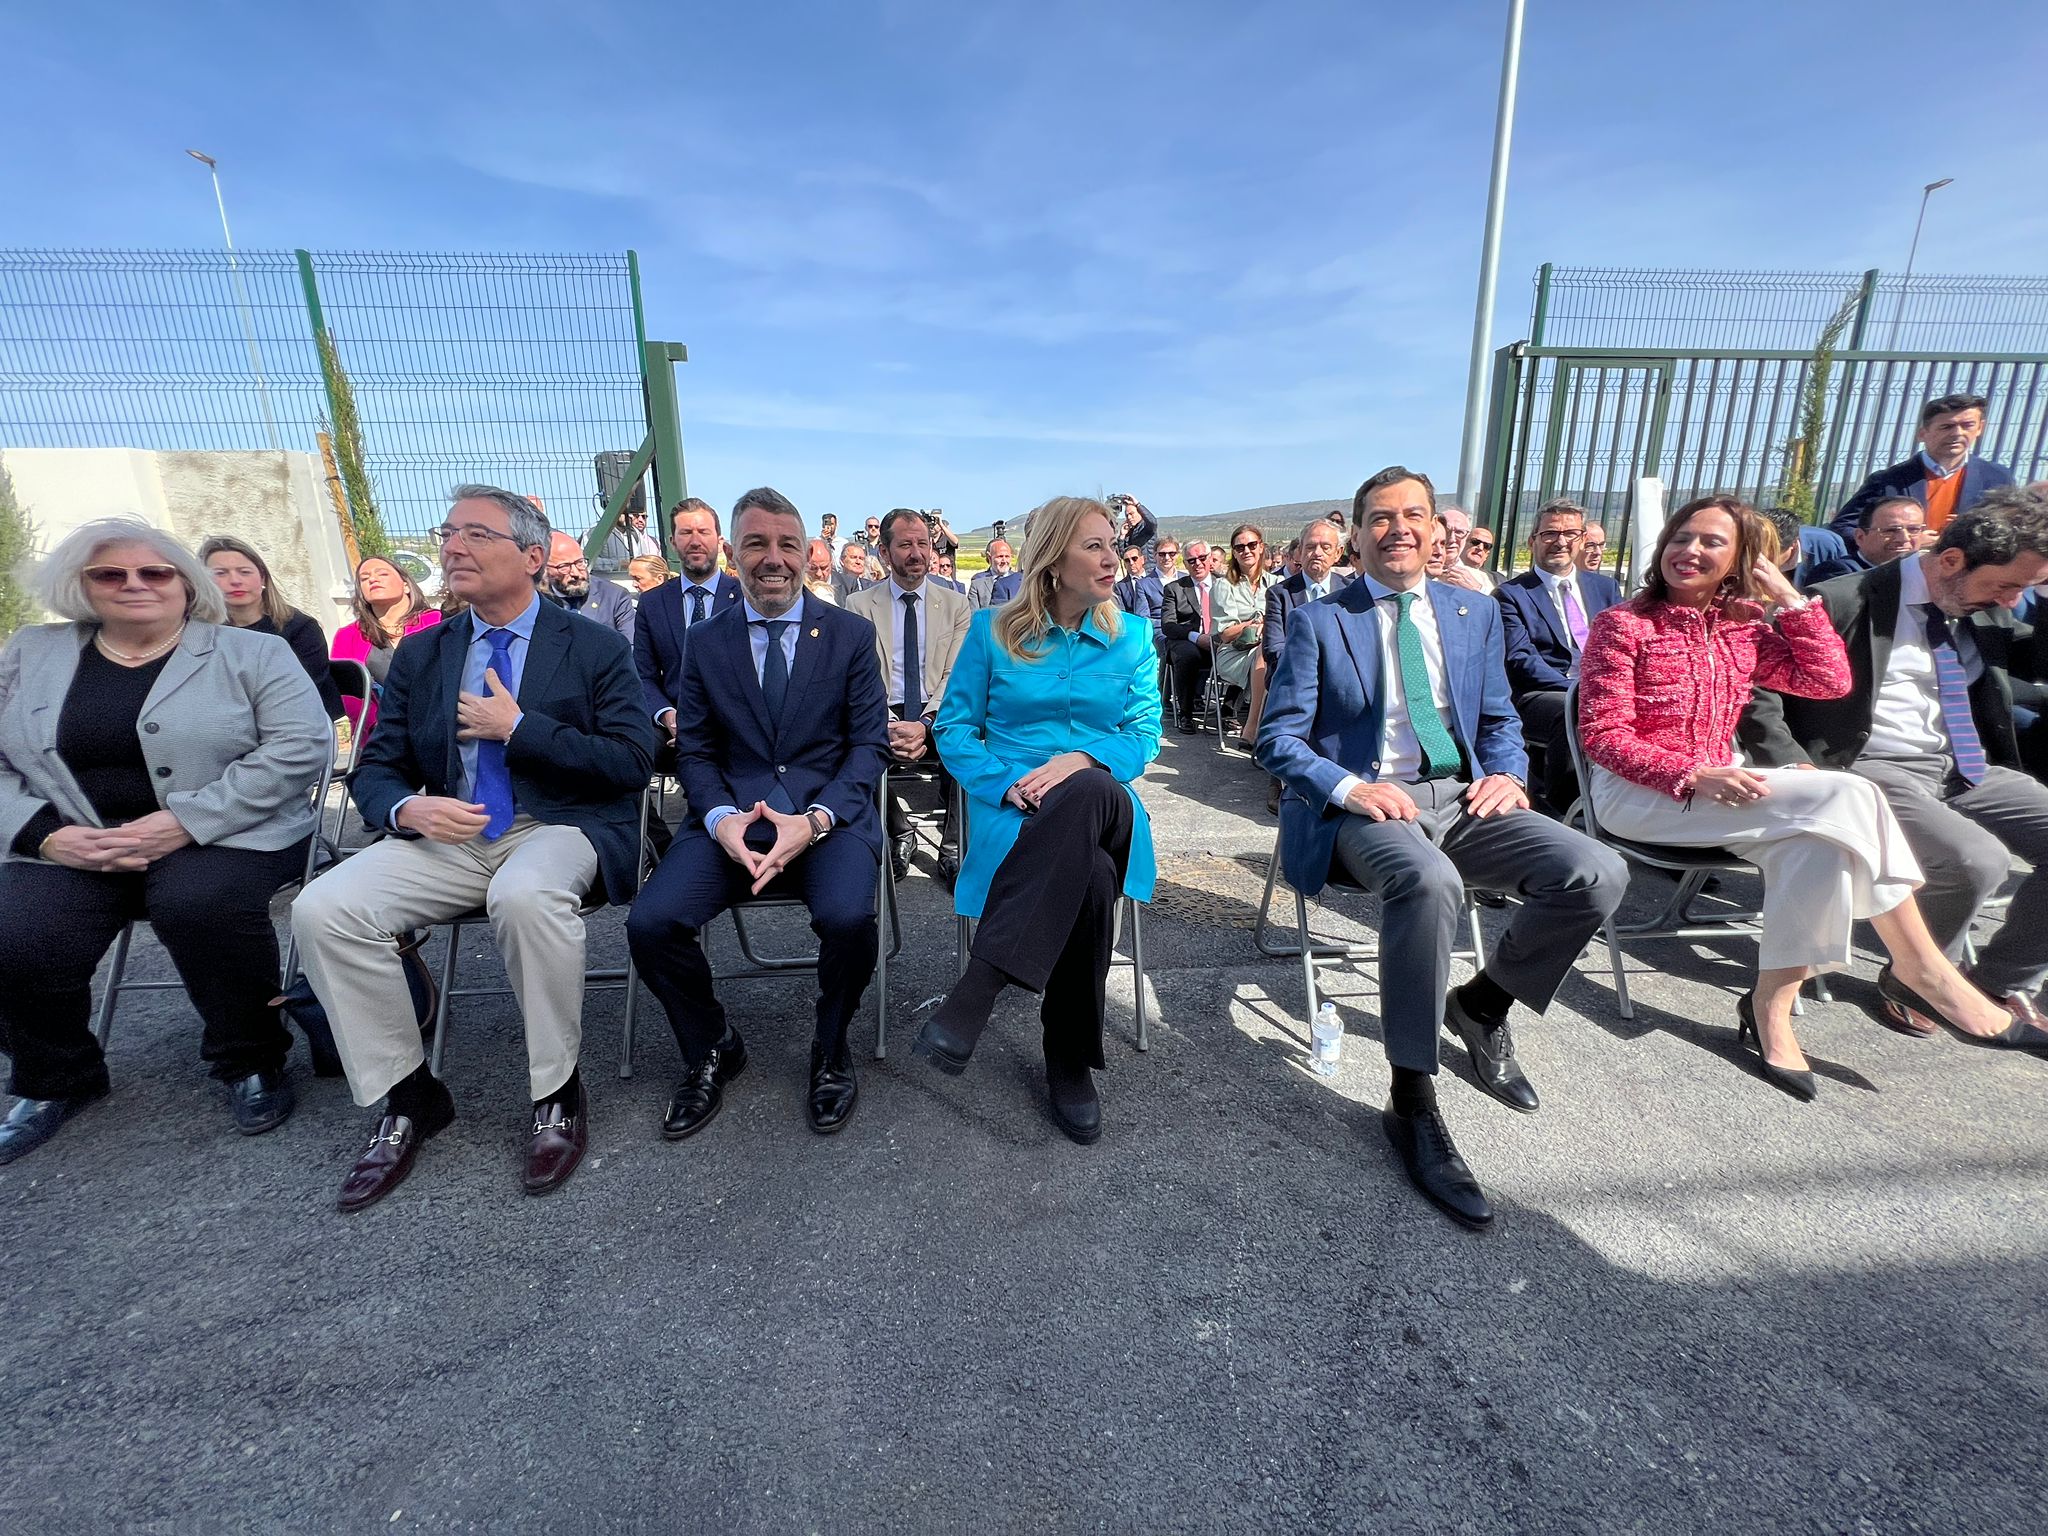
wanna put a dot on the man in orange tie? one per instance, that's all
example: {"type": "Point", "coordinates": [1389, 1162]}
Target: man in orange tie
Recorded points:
{"type": "Point", "coordinates": [1945, 476]}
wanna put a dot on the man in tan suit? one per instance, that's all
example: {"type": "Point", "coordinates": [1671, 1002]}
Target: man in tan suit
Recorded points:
{"type": "Point", "coordinates": [918, 629]}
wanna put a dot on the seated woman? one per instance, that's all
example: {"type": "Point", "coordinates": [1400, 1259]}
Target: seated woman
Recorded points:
{"type": "Point", "coordinates": [1049, 718]}
{"type": "Point", "coordinates": [1237, 614]}
{"type": "Point", "coordinates": [1662, 680]}
{"type": "Point", "coordinates": [254, 603]}
{"type": "Point", "coordinates": [389, 606]}
{"type": "Point", "coordinates": [648, 572]}
{"type": "Point", "coordinates": [153, 764]}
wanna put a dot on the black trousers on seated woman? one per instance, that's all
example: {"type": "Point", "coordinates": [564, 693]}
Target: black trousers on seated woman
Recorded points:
{"type": "Point", "coordinates": [1049, 923]}
{"type": "Point", "coordinates": [210, 907]}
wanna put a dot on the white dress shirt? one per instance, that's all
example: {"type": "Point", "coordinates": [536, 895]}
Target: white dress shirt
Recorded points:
{"type": "Point", "coordinates": [757, 644]}
{"type": "Point", "coordinates": [1555, 586]}
{"type": "Point", "coordinates": [1400, 752]}
{"type": "Point", "coordinates": [897, 592]}
{"type": "Point", "coordinates": [1905, 717]}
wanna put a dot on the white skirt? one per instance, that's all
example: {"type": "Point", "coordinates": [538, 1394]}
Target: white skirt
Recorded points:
{"type": "Point", "coordinates": [1829, 847]}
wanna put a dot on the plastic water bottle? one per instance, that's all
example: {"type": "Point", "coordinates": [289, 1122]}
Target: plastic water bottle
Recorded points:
{"type": "Point", "coordinates": [1326, 1041]}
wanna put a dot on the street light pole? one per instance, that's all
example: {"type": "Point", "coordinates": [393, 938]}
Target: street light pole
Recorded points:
{"type": "Point", "coordinates": [1899, 310]}
{"type": "Point", "coordinates": [242, 303]}
{"type": "Point", "coordinates": [1473, 444]}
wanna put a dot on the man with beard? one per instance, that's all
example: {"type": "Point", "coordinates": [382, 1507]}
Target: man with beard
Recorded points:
{"type": "Point", "coordinates": [672, 610]}
{"type": "Point", "coordinates": [569, 583]}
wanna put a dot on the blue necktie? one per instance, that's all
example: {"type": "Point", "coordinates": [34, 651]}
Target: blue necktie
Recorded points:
{"type": "Point", "coordinates": [774, 668]}
{"type": "Point", "coordinates": [913, 661]}
{"type": "Point", "coordinates": [696, 607]}
{"type": "Point", "coordinates": [493, 787]}
{"type": "Point", "coordinates": [1952, 685]}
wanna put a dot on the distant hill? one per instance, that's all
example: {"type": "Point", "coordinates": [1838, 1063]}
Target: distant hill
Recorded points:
{"type": "Point", "coordinates": [1279, 522]}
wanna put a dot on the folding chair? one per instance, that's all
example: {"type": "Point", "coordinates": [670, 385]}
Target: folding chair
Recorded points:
{"type": "Point", "coordinates": [352, 678]}
{"type": "Point", "coordinates": [758, 966]}
{"type": "Point", "coordinates": [1126, 909]}
{"type": "Point", "coordinates": [117, 979]}
{"type": "Point", "coordinates": [1691, 867]}
{"type": "Point", "coordinates": [1309, 948]}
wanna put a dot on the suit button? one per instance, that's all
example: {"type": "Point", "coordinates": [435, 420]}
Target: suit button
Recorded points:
{"type": "Point", "coordinates": [152, 727]}
{"type": "Point", "coordinates": [779, 768]}
{"type": "Point", "coordinates": [1375, 767]}
{"type": "Point", "coordinates": [163, 773]}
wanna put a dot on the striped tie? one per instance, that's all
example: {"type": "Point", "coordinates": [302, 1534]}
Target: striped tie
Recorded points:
{"type": "Point", "coordinates": [1952, 684]}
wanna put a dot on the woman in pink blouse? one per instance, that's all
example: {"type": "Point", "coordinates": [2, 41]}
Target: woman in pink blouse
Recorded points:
{"type": "Point", "coordinates": [389, 606]}
{"type": "Point", "coordinates": [1662, 681]}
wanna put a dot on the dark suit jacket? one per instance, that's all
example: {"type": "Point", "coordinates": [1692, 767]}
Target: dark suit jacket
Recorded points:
{"type": "Point", "coordinates": [1831, 733]}
{"type": "Point", "coordinates": [1145, 597]}
{"type": "Point", "coordinates": [1283, 599]}
{"type": "Point", "coordinates": [1539, 652]}
{"type": "Point", "coordinates": [581, 755]}
{"type": "Point", "coordinates": [1180, 614]}
{"type": "Point", "coordinates": [1908, 477]}
{"type": "Point", "coordinates": [829, 747]}
{"type": "Point", "coordinates": [658, 637]}
{"type": "Point", "coordinates": [1851, 564]}
{"type": "Point", "coordinates": [1326, 709]}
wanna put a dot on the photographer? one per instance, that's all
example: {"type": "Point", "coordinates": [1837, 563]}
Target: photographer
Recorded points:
{"type": "Point", "coordinates": [1137, 527]}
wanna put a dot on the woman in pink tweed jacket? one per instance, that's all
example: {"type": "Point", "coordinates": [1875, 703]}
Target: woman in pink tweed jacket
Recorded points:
{"type": "Point", "coordinates": [1661, 682]}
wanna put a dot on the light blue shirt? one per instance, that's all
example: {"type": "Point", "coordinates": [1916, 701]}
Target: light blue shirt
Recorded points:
{"type": "Point", "coordinates": [757, 645]}
{"type": "Point", "coordinates": [479, 661]}
{"type": "Point", "coordinates": [1936, 470]}
{"type": "Point", "coordinates": [710, 592]}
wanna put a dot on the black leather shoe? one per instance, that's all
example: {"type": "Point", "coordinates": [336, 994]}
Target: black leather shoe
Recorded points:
{"type": "Point", "coordinates": [1191, 727]}
{"type": "Point", "coordinates": [900, 850]}
{"type": "Point", "coordinates": [1434, 1166]}
{"type": "Point", "coordinates": [561, 1132]}
{"type": "Point", "coordinates": [1493, 1057]}
{"type": "Point", "coordinates": [949, 866]}
{"type": "Point", "coordinates": [834, 1090]}
{"type": "Point", "coordinates": [1076, 1106]}
{"type": "Point", "coordinates": [1902, 1009]}
{"type": "Point", "coordinates": [942, 1048]}
{"type": "Point", "coordinates": [700, 1094]}
{"type": "Point", "coordinates": [261, 1102]}
{"type": "Point", "coordinates": [34, 1121]}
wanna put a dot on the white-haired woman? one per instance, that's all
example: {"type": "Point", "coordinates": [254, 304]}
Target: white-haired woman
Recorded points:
{"type": "Point", "coordinates": [1050, 716]}
{"type": "Point", "coordinates": [154, 763]}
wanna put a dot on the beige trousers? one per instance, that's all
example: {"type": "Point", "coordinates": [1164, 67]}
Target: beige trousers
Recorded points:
{"type": "Point", "coordinates": [531, 881]}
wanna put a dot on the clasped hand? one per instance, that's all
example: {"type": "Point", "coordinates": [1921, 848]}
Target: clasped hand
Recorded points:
{"type": "Point", "coordinates": [792, 837]}
{"type": "Point", "coordinates": [908, 740]}
{"type": "Point", "coordinates": [1730, 786]}
{"type": "Point", "coordinates": [117, 850]}
{"type": "Point", "coordinates": [1029, 792]}
{"type": "Point", "coordinates": [488, 716]}
{"type": "Point", "coordinates": [1387, 801]}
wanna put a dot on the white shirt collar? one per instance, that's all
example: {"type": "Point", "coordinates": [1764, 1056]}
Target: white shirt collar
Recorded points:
{"type": "Point", "coordinates": [899, 591]}
{"type": "Point", "coordinates": [1913, 582]}
{"type": "Point", "coordinates": [1552, 582]}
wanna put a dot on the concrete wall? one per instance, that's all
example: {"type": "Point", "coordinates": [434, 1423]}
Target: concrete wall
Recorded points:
{"type": "Point", "coordinates": [278, 502]}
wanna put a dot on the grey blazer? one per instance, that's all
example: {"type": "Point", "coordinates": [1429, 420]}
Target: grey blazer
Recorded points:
{"type": "Point", "coordinates": [233, 733]}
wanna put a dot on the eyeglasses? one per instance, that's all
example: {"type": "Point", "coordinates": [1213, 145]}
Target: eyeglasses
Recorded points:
{"type": "Point", "coordinates": [1562, 535]}
{"type": "Point", "coordinates": [475, 535]}
{"type": "Point", "coordinates": [113, 576]}
{"type": "Point", "coordinates": [1169, 554]}
{"type": "Point", "coordinates": [1901, 535]}
{"type": "Point", "coordinates": [578, 564]}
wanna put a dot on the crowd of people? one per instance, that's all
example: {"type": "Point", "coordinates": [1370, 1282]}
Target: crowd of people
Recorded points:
{"type": "Point", "coordinates": [1853, 724]}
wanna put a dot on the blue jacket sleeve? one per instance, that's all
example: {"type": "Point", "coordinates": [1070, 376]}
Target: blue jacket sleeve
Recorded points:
{"type": "Point", "coordinates": [1284, 748]}
{"type": "Point", "coordinates": [1273, 633]}
{"type": "Point", "coordinates": [1499, 748]}
{"type": "Point", "coordinates": [867, 737]}
{"type": "Point", "coordinates": [700, 742]}
{"type": "Point", "coordinates": [1526, 667]}
{"type": "Point", "coordinates": [648, 666]}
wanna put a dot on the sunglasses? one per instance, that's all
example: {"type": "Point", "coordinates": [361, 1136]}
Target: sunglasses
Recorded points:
{"type": "Point", "coordinates": [1246, 547]}
{"type": "Point", "coordinates": [114, 576]}
{"type": "Point", "coordinates": [1479, 543]}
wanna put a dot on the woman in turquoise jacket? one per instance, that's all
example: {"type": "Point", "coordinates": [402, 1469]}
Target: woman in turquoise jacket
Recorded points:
{"type": "Point", "coordinates": [1049, 718]}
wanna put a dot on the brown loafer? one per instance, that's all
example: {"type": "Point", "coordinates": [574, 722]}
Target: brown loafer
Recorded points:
{"type": "Point", "coordinates": [561, 1131]}
{"type": "Point", "coordinates": [384, 1166]}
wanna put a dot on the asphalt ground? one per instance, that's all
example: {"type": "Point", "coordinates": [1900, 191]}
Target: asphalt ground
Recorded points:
{"type": "Point", "coordinates": [1704, 1307]}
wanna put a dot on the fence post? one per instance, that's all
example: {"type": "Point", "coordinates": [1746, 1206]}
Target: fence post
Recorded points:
{"type": "Point", "coordinates": [1542, 305]}
{"type": "Point", "coordinates": [311, 289]}
{"type": "Point", "coordinates": [661, 508]}
{"type": "Point", "coordinates": [1865, 298]}
{"type": "Point", "coordinates": [663, 422]}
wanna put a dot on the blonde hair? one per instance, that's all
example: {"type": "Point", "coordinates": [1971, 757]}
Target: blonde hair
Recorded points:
{"type": "Point", "coordinates": [651, 565]}
{"type": "Point", "coordinates": [1026, 619]}
{"type": "Point", "coordinates": [275, 608]}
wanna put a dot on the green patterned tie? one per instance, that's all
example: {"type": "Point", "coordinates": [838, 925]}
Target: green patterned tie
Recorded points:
{"type": "Point", "coordinates": [1440, 758]}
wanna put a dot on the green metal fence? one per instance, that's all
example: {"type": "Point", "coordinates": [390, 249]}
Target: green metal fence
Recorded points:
{"type": "Point", "coordinates": [515, 370]}
{"type": "Point", "coordinates": [1589, 423]}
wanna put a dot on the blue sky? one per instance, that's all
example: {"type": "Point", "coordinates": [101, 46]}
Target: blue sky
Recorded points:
{"type": "Point", "coordinates": [975, 255]}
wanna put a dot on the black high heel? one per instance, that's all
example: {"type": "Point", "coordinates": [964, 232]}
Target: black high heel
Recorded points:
{"type": "Point", "coordinates": [1799, 1084]}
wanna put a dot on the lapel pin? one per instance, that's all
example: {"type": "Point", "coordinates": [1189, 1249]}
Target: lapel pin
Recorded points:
{"type": "Point", "coordinates": [1461, 611]}
{"type": "Point", "coordinates": [814, 634]}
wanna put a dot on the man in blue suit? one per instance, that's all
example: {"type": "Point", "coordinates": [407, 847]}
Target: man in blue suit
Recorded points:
{"type": "Point", "coordinates": [1544, 614]}
{"type": "Point", "coordinates": [781, 737]}
{"type": "Point", "coordinates": [1391, 727]}
{"type": "Point", "coordinates": [1320, 548]}
{"type": "Point", "coordinates": [673, 609]}
{"type": "Point", "coordinates": [1945, 476]}
{"type": "Point", "coordinates": [508, 762]}
{"type": "Point", "coordinates": [1889, 529]}
{"type": "Point", "coordinates": [1140, 593]}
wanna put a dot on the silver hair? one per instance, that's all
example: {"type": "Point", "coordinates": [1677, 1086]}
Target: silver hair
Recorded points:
{"type": "Point", "coordinates": [528, 524]}
{"type": "Point", "coordinates": [1321, 522]}
{"type": "Point", "coordinates": [60, 580]}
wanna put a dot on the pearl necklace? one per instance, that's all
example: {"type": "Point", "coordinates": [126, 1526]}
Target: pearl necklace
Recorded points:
{"type": "Point", "coordinates": [100, 639]}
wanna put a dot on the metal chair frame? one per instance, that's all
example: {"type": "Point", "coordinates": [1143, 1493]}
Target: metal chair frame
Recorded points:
{"type": "Point", "coordinates": [1691, 866]}
{"type": "Point", "coordinates": [1309, 948]}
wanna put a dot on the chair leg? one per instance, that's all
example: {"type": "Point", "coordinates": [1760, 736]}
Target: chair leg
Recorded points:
{"type": "Point", "coordinates": [1262, 929]}
{"type": "Point", "coordinates": [1138, 974]}
{"type": "Point", "coordinates": [104, 1025]}
{"type": "Point", "coordinates": [885, 893]}
{"type": "Point", "coordinates": [632, 1011]}
{"type": "Point", "coordinates": [1821, 993]}
{"type": "Point", "coordinates": [963, 945]}
{"type": "Point", "coordinates": [1478, 934]}
{"type": "Point", "coordinates": [1308, 957]}
{"type": "Point", "coordinates": [447, 998]}
{"type": "Point", "coordinates": [1626, 1008]}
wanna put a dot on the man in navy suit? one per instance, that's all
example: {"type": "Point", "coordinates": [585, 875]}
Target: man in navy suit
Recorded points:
{"type": "Point", "coordinates": [508, 762]}
{"type": "Point", "coordinates": [1140, 593]}
{"type": "Point", "coordinates": [1945, 476]}
{"type": "Point", "coordinates": [1320, 548]}
{"type": "Point", "coordinates": [671, 610]}
{"type": "Point", "coordinates": [1390, 725]}
{"type": "Point", "coordinates": [781, 737]}
{"type": "Point", "coordinates": [1544, 614]}
{"type": "Point", "coordinates": [1889, 529]}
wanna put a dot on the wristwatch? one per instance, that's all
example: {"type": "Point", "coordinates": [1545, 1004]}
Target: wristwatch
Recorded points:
{"type": "Point", "coordinates": [820, 825]}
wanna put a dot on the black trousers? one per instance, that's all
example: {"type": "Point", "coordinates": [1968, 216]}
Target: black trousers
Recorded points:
{"type": "Point", "coordinates": [899, 817]}
{"type": "Point", "coordinates": [1543, 724]}
{"type": "Point", "coordinates": [1049, 923]}
{"type": "Point", "coordinates": [211, 909]}
{"type": "Point", "coordinates": [695, 881]}
{"type": "Point", "coordinates": [1190, 665]}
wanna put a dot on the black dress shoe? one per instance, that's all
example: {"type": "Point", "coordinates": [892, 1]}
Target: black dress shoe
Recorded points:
{"type": "Point", "coordinates": [701, 1093]}
{"type": "Point", "coordinates": [834, 1091]}
{"type": "Point", "coordinates": [900, 850]}
{"type": "Point", "coordinates": [1800, 1084]}
{"type": "Point", "coordinates": [561, 1133]}
{"type": "Point", "coordinates": [1076, 1107]}
{"type": "Point", "coordinates": [1902, 1009]}
{"type": "Point", "coordinates": [1191, 727]}
{"type": "Point", "coordinates": [942, 1048]}
{"type": "Point", "coordinates": [34, 1121]}
{"type": "Point", "coordinates": [1492, 1049]}
{"type": "Point", "coordinates": [1434, 1166]}
{"type": "Point", "coordinates": [261, 1102]}
{"type": "Point", "coordinates": [949, 866]}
